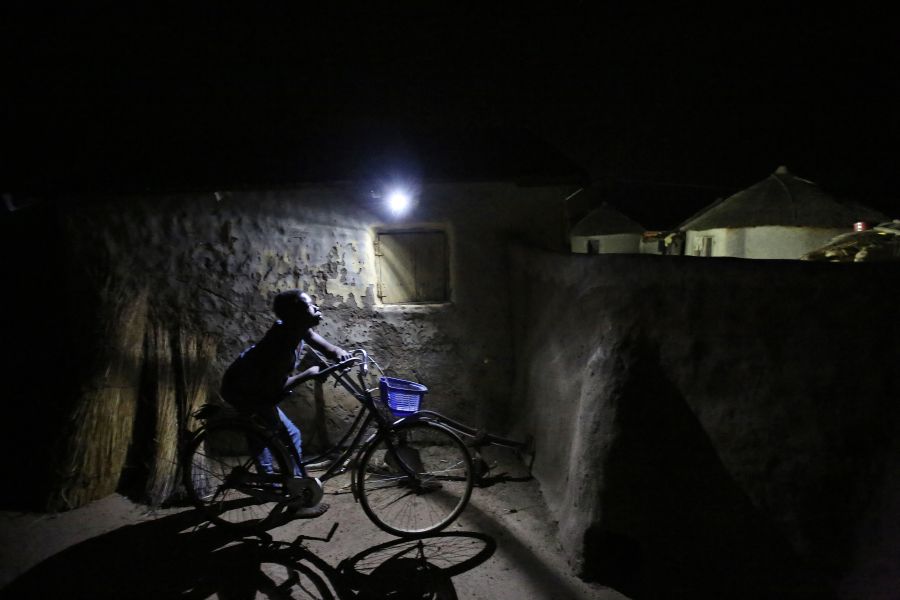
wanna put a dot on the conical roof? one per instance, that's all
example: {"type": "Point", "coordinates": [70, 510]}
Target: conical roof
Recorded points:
{"type": "Point", "coordinates": [605, 220]}
{"type": "Point", "coordinates": [781, 199]}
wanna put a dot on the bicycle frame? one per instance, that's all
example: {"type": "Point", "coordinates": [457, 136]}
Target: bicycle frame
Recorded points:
{"type": "Point", "coordinates": [370, 412]}
{"type": "Point", "coordinates": [383, 450]}
{"type": "Point", "coordinates": [479, 437]}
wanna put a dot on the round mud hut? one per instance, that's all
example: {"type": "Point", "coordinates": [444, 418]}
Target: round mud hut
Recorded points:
{"type": "Point", "coordinates": [605, 230]}
{"type": "Point", "coordinates": [780, 217]}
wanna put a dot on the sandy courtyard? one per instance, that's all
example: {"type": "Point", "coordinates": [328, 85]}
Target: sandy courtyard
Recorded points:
{"type": "Point", "coordinates": [503, 547]}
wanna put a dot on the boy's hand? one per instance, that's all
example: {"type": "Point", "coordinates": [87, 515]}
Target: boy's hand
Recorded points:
{"type": "Point", "coordinates": [341, 355]}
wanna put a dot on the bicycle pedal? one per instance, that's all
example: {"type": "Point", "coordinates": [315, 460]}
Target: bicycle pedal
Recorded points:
{"type": "Point", "coordinates": [307, 491]}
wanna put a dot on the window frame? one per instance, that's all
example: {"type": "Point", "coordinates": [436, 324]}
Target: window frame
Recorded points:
{"type": "Point", "coordinates": [380, 263]}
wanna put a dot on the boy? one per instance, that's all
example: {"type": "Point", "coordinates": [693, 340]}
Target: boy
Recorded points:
{"type": "Point", "coordinates": [261, 376]}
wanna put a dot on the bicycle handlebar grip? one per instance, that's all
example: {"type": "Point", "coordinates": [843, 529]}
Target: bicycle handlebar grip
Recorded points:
{"type": "Point", "coordinates": [336, 367]}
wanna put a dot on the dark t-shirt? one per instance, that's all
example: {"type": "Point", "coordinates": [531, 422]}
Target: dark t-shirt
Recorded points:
{"type": "Point", "coordinates": [257, 377]}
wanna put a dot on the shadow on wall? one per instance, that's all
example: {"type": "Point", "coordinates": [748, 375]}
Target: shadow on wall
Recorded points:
{"type": "Point", "coordinates": [672, 522]}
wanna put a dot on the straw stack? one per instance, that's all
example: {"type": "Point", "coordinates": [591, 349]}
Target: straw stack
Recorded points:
{"type": "Point", "coordinates": [148, 380]}
{"type": "Point", "coordinates": [178, 370]}
{"type": "Point", "coordinates": [96, 439]}
{"type": "Point", "coordinates": [161, 393]}
{"type": "Point", "coordinates": [196, 354]}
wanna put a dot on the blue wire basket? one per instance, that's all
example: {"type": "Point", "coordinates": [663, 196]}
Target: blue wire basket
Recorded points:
{"type": "Point", "coordinates": [403, 397]}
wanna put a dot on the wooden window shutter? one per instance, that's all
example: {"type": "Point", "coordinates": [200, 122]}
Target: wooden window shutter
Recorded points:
{"type": "Point", "coordinates": [412, 266]}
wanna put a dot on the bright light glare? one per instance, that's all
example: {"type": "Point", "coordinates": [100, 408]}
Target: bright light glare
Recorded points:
{"type": "Point", "coordinates": [398, 202]}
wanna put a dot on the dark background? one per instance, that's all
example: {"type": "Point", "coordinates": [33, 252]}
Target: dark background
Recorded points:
{"type": "Point", "coordinates": [669, 109]}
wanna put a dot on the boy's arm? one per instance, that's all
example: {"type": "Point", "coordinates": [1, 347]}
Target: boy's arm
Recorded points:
{"type": "Point", "coordinates": [295, 380]}
{"type": "Point", "coordinates": [322, 345]}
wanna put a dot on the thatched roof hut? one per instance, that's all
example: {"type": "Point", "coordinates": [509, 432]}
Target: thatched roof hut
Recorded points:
{"type": "Point", "coordinates": [605, 230]}
{"type": "Point", "coordinates": [782, 216]}
{"type": "Point", "coordinates": [784, 199]}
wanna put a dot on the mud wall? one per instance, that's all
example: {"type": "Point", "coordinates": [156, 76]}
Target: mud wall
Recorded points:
{"type": "Point", "coordinates": [215, 261]}
{"type": "Point", "coordinates": [716, 428]}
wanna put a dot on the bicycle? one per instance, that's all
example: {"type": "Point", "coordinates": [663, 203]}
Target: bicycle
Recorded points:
{"type": "Point", "coordinates": [411, 474]}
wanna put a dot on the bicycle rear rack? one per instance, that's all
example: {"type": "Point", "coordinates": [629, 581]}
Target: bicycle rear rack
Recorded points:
{"type": "Point", "coordinates": [478, 438]}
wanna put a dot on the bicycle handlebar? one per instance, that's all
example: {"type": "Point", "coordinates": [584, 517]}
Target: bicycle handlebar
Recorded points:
{"type": "Point", "coordinates": [324, 371]}
{"type": "Point", "coordinates": [336, 367]}
{"type": "Point", "coordinates": [359, 357]}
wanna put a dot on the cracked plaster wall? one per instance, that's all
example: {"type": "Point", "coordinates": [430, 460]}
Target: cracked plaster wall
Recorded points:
{"type": "Point", "coordinates": [216, 261]}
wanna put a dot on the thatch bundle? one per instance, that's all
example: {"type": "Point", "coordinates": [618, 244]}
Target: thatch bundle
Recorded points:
{"type": "Point", "coordinates": [98, 434]}
{"type": "Point", "coordinates": [135, 406]}
{"type": "Point", "coordinates": [196, 354]}
{"type": "Point", "coordinates": [163, 459]}
{"type": "Point", "coordinates": [177, 373]}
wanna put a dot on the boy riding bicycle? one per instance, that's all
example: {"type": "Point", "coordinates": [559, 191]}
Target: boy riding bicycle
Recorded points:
{"type": "Point", "coordinates": [263, 373]}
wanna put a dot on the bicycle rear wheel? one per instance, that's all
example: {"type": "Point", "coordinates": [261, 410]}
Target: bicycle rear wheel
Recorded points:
{"type": "Point", "coordinates": [224, 476]}
{"type": "Point", "coordinates": [407, 505]}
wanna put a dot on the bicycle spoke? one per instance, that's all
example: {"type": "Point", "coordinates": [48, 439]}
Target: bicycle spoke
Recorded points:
{"type": "Point", "coordinates": [397, 499]}
{"type": "Point", "coordinates": [405, 505]}
{"type": "Point", "coordinates": [225, 480]}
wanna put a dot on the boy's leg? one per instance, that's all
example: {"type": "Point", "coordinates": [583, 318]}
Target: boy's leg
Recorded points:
{"type": "Point", "coordinates": [262, 455]}
{"type": "Point", "coordinates": [297, 508]}
{"type": "Point", "coordinates": [294, 435]}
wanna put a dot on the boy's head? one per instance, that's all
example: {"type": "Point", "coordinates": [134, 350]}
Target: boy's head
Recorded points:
{"type": "Point", "coordinates": [294, 307]}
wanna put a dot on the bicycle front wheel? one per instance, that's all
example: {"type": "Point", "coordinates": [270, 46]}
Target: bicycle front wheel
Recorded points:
{"type": "Point", "coordinates": [236, 474]}
{"type": "Point", "coordinates": [414, 479]}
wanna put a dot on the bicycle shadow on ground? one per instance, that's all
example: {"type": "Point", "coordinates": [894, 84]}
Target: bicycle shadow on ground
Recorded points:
{"type": "Point", "coordinates": [179, 557]}
{"type": "Point", "coordinates": [420, 568]}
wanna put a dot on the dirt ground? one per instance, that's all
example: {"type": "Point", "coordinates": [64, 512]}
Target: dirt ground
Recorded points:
{"type": "Point", "coordinates": [503, 547]}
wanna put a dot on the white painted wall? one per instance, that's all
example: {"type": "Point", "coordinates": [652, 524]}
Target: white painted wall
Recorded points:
{"type": "Point", "coordinates": [786, 242]}
{"type": "Point", "coordinates": [769, 242]}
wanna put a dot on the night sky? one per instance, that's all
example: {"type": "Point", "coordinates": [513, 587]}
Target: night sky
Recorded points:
{"type": "Point", "coordinates": [669, 109]}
